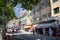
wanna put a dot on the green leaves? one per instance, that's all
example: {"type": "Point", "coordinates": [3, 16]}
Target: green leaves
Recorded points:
{"type": "Point", "coordinates": [1, 16]}
{"type": "Point", "coordinates": [9, 11]}
{"type": "Point", "coordinates": [27, 4]}
{"type": "Point", "coordinates": [13, 3]}
{"type": "Point", "coordinates": [1, 3]}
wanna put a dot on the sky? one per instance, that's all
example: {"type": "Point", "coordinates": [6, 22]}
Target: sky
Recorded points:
{"type": "Point", "coordinates": [18, 10]}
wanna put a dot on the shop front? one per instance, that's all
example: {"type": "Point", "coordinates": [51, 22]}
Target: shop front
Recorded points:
{"type": "Point", "coordinates": [49, 29]}
{"type": "Point", "coordinates": [28, 28]}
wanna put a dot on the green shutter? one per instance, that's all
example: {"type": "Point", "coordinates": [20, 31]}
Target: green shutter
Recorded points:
{"type": "Point", "coordinates": [55, 0]}
{"type": "Point", "coordinates": [56, 10]}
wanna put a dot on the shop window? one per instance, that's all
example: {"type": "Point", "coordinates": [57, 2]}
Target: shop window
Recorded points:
{"type": "Point", "coordinates": [56, 10]}
{"type": "Point", "coordinates": [55, 1]}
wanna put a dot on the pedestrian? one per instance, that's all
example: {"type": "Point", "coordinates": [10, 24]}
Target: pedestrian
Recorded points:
{"type": "Point", "coordinates": [50, 32]}
{"type": "Point", "coordinates": [44, 31]}
{"type": "Point", "coordinates": [33, 31]}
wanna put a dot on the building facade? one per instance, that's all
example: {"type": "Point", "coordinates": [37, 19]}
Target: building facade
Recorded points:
{"type": "Point", "coordinates": [55, 12]}
{"type": "Point", "coordinates": [23, 19]}
{"type": "Point", "coordinates": [41, 11]}
{"type": "Point", "coordinates": [26, 20]}
{"type": "Point", "coordinates": [29, 24]}
{"type": "Point", "coordinates": [55, 8]}
{"type": "Point", "coordinates": [46, 15]}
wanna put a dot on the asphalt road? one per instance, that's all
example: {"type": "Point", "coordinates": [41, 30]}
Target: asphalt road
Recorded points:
{"type": "Point", "coordinates": [33, 37]}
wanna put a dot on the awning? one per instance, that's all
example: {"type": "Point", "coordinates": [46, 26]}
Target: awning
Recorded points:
{"type": "Point", "coordinates": [46, 25]}
{"type": "Point", "coordinates": [43, 25]}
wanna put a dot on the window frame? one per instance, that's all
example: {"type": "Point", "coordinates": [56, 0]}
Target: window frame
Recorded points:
{"type": "Point", "coordinates": [54, 1]}
{"type": "Point", "coordinates": [56, 10]}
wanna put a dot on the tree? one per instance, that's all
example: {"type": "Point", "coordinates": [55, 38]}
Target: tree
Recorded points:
{"type": "Point", "coordinates": [27, 4]}
{"type": "Point", "coordinates": [8, 10]}
{"type": "Point", "coordinates": [6, 13]}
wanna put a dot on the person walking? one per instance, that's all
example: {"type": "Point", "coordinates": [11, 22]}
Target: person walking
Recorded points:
{"type": "Point", "coordinates": [50, 32]}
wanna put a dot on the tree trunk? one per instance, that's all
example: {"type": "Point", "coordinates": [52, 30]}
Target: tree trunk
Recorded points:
{"type": "Point", "coordinates": [4, 20]}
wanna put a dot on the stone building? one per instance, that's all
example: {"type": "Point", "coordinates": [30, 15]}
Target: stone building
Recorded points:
{"type": "Point", "coordinates": [41, 11]}
{"type": "Point", "coordinates": [46, 16]}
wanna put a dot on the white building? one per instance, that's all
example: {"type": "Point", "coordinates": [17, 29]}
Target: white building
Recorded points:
{"type": "Point", "coordinates": [12, 24]}
{"type": "Point", "coordinates": [26, 19]}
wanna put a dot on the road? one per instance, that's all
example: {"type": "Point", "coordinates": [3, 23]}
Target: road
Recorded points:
{"type": "Point", "coordinates": [33, 37]}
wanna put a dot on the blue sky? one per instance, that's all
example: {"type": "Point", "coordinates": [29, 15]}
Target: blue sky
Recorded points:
{"type": "Point", "coordinates": [18, 9]}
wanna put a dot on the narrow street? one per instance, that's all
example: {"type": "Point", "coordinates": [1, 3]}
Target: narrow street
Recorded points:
{"type": "Point", "coordinates": [29, 20]}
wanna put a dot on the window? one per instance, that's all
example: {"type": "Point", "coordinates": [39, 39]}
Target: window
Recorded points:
{"type": "Point", "coordinates": [55, 0]}
{"type": "Point", "coordinates": [56, 10]}
{"type": "Point", "coordinates": [37, 18]}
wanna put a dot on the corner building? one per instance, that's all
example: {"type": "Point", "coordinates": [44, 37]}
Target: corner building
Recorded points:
{"type": "Point", "coordinates": [46, 16]}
